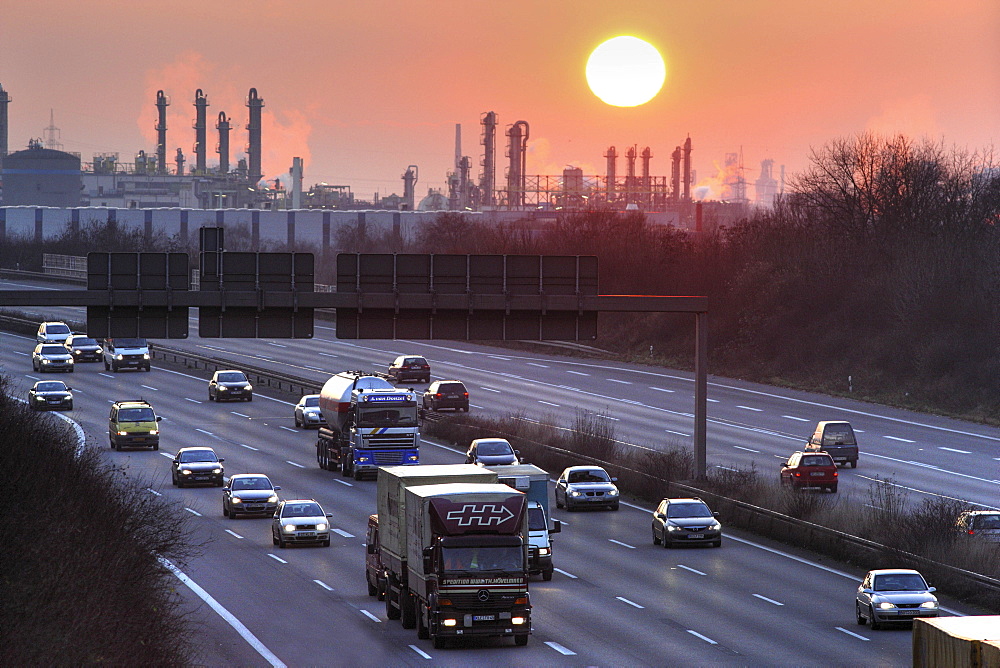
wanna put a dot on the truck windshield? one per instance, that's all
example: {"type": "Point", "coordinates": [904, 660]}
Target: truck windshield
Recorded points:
{"type": "Point", "coordinates": [383, 416]}
{"type": "Point", "coordinates": [483, 558]}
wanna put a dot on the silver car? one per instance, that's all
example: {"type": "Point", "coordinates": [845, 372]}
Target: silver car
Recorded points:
{"type": "Point", "coordinates": [586, 486]}
{"type": "Point", "coordinates": [50, 395]}
{"type": "Point", "coordinates": [52, 332]}
{"type": "Point", "coordinates": [894, 595]}
{"type": "Point", "coordinates": [249, 493]}
{"type": "Point", "coordinates": [51, 357]}
{"type": "Point", "coordinates": [307, 412]}
{"type": "Point", "coordinates": [300, 521]}
{"type": "Point", "coordinates": [983, 524]}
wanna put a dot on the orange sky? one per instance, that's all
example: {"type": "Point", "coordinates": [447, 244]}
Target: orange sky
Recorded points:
{"type": "Point", "coordinates": [362, 89]}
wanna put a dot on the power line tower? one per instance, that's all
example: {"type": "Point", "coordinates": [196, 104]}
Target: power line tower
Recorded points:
{"type": "Point", "coordinates": [52, 134]}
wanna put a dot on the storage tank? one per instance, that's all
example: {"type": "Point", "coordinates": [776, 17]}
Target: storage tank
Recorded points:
{"type": "Point", "coordinates": [335, 397]}
{"type": "Point", "coordinates": [40, 176]}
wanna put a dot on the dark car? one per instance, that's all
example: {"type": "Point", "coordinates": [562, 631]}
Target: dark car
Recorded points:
{"type": "Point", "coordinates": [586, 487]}
{"type": "Point", "coordinates": [50, 395]}
{"type": "Point", "coordinates": [836, 438]}
{"type": "Point", "coordinates": [249, 494]}
{"type": "Point", "coordinates": [447, 394]}
{"type": "Point", "coordinates": [810, 469]}
{"type": "Point", "coordinates": [411, 367]}
{"type": "Point", "coordinates": [196, 465]}
{"type": "Point", "coordinates": [687, 520]}
{"type": "Point", "coordinates": [230, 385]}
{"type": "Point", "coordinates": [83, 348]}
{"type": "Point", "coordinates": [491, 452]}
{"type": "Point", "coordinates": [984, 524]}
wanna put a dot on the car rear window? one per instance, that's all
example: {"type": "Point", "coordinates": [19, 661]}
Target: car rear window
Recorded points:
{"type": "Point", "coordinates": [987, 522]}
{"type": "Point", "coordinates": [816, 460]}
{"type": "Point", "coordinates": [451, 387]}
{"type": "Point", "coordinates": [414, 360]}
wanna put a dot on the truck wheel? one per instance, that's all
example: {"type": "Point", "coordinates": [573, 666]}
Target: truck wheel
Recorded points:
{"type": "Point", "coordinates": [344, 469]}
{"type": "Point", "coordinates": [854, 463]}
{"type": "Point", "coordinates": [440, 642]}
{"type": "Point", "coordinates": [408, 613]}
{"type": "Point", "coordinates": [422, 631]}
{"type": "Point", "coordinates": [391, 611]}
{"type": "Point", "coordinates": [521, 640]}
{"type": "Point", "coordinates": [357, 475]}
{"type": "Point", "coordinates": [372, 589]}
{"type": "Point", "coordinates": [547, 575]}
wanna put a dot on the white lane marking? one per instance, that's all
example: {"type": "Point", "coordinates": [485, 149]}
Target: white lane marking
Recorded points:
{"type": "Point", "coordinates": [344, 533]}
{"type": "Point", "coordinates": [929, 466]}
{"type": "Point", "coordinates": [294, 431]}
{"type": "Point", "coordinates": [288, 461]}
{"type": "Point", "coordinates": [618, 542]}
{"type": "Point", "coordinates": [561, 571]}
{"type": "Point", "coordinates": [106, 375]}
{"type": "Point", "coordinates": [326, 354]}
{"type": "Point", "coordinates": [277, 558]}
{"type": "Point", "coordinates": [578, 373]}
{"type": "Point", "coordinates": [148, 387]}
{"type": "Point", "coordinates": [276, 345]}
{"type": "Point", "coordinates": [193, 512]}
{"type": "Point", "coordinates": [248, 447]}
{"type": "Point", "coordinates": [226, 615]}
{"type": "Point", "coordinates": [797, 419]}
{"type": "Point", "coordinates": [548, 403]}
{"type": "Point", "coordinates": [705, 638]}
{"type": "Point", "coordinates": [497, 357]}
{"type": "Point", "coordinates": [543, 366]}
{"type": "Point", "coordinates": [240, 414]}
{"type": "Point", "coordinates": [750, 408]}
{"type": "Point", "coordinates": [851, 633]}
{"type": "Point", "coordinates": [679, 433]}
{"type": "Point", "coordinates": [606, 417]}
{"type": "Point", "coordinates": [343, 482]}
{"type": "Point", "coordinates": [559, 648]}
{"type": "Point", "coordinates": [205, 432]}
{"type": "Point", "coordinates": [323, 585]}
{"type": "Point", "coordinates": [419, 651]}
{"type": "Point", "coordinates": [490, 389]}
{"type": "Point", "coordinates": [769, 600]}
{"type": "Point", "coordinates": [615, 380]}
{"type": "Point", "coordinates": [475, 406]}
{"type": "Point", "coordinates": [632, 603]}
{"type": "Point", "coordinates": [740, 447]}
{"type": "Point", "coordinates": [372, 617]}
{"type": "Point", "coordinates": [311, 368]}
{"type": "Point", "coordinates": [193, 401]}
{"type": "Point", "coordinates": [896, 438]}
{"type": "Point", "coordinates": [688, 568]}
{"type": "Point", "coordinates": [961, 452]}
{"type": "Point", "coordinates": [234, 534]}
{"type": "Point", "coordinates": [661, 389]}
{"type": "Point", "coordinates": [712, 401]}
{"type": "Point", "coordinates": [167, 455]}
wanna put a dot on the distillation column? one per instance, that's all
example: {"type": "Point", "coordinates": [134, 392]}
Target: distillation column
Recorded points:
{"type": "Point", "coordinates": [255, 104]}
{"type": "Point", "coordinates": [222, 148]}
{"type": "Point", "coordinates": [487, 180]}
{"type": "Point", "coordinates": [4, 101]}
{"type": "Point", "coordinates": [162, 102]}
{"type": "Point", "coordinates": [517, 150]}
{"type": "Point", "coordinates": [612, 157]}
{"type": "Point", "coordinates": [687, 169]}
{"type": "Point", "coordinates": [410, 187]}
{"type": "Point", "coordinates": [200, 127]}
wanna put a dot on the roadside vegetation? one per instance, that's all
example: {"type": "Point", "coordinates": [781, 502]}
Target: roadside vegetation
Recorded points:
{"type": "Point", "coordinates": [80, 579]}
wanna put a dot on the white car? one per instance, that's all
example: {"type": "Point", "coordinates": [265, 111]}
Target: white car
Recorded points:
{"type": "Point", "coordinates": [307, 412]}
{"type": "Point", "coordinates": [51, 357]}
{"type": "Point", "coordinates": [300, 521]}
{"type": "Point", "coordinates": [53, 332]}
{"type": "Point", "coordinates": [894, 595]}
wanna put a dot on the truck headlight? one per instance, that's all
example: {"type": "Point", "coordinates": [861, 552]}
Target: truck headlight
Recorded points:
{"type": "Point", "coordinates": [517, 620]}
{"type": "Point", "coordinates": [413, 458]}
{"type": "Point", "coordinates": [123, 433]}
{"type": "Point", "coordinates": [154, 432]}
{"type": "Point", "coordinates": [145, 356]}
{"type": "Point", "coordinates": [119, 357]}
{"type": "Point", "coordinates": [544, 551]}
{"type": "Point", "coordinates": [886, 605]}
{"type": "Point", "coordinates": [363, 458]}
{"type": "Point", "coordinates": [448, 622]}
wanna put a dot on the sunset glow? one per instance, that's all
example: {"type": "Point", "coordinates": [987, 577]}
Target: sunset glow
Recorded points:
{"type": "Point", "coordinates": [626, 71]}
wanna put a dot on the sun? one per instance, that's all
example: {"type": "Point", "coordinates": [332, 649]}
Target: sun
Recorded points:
{"type": "Point", "coordinates": [626, 71]}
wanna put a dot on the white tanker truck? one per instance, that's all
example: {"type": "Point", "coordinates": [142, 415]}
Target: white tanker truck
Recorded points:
{"type": "Point", "coordinates": [369, 423]}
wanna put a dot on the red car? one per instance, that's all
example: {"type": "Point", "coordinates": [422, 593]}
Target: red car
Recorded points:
{"type": "Point", "coordinates": [810, 469]}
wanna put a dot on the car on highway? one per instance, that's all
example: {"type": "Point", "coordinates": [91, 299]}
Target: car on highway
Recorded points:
{"type": "Point", "coordinates": [491, 452]}
{"type": "Point", "coordinates": [891, 595]}
{"type": "Point", "coordinates": [307, 413]}
{"type": "Point", "coordinates": [51, 357]}
{"type": "Point", "coordinates": [984, 524]}
{"type": "Point", "coordinates": [806, 470]}
{"type": "Point", "coordinates": [586, 487]}
{"type": "Point", "coordinates": [686, 520]}
{"type": "Point", "coordinates": [375, 571]}
{"type": "Point", "coordinates": [249, 494]}
{"type": "Point", "coordinates": [230, 385]}
{"type": "Point", "coordinates": [83, 348]}
{"type": "Point", "coordinates": [52, 332]}
{"type": "Point", "coordinates": [196, 465]}
{"type": "Point", "coordinates": [447, 394]}
{"type": "Point", "coordinates": [127, 353]}
{"type": "Point", "coordinates": [300, 521]}
{"type": "Point", "coordinates": [413, 367]}
{"type": "Point", "coordinates": [836, 438]}
{"type": "Point", "coordinates": [133, 422]}
{"type": "Point", "coordinates": [50, 395]}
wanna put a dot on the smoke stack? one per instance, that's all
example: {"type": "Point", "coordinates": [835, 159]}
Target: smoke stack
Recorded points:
{"type": "Point", "coordinates": [687, 169]}
{"type": "Point", "coordinates": [487, 181]}
{"type": "Point", "coordinates": [675, 174]}
{"type": "Point", "coordinates": [255, 104]}
{"type": "Point", "coordinates": [612, 158]}
{"type": "Point", "coordinates": [4, 101]}
{"type": "Point", "coordinates": [458, 146]}
{"type": "Point", "coordinates": [517, 150]}
{"type": "Point", "coordinates": [200, 126]}
{"type": "Point", "coordinates": [410, 187]}
{"type": "Point", "coordinates": [162, 102]}
{"type": "Point", "coordinates": [296, 172]}
{"type": "Point", "coordinates": [223, 147]}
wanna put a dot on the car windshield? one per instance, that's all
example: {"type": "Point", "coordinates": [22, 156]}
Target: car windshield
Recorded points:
{"type": "Point", "coordinates": [688, 510]}
{"type": "Point", "coordinates": [483, 558]}
{"type": "Point", "coordinates": [53, 350]}
{"type": "Point", "coordinates": [83, 341]}
{"type": "Point", "coordinates": [57, 329]}
{"type": "Point", "coordinates": [302, 510]}
{"type": "Point", "coordinates": [381, 416]}
{"type": "Point", "coordinates": [987, 522]}
{"type": "Point", "coordinates": [130, 343]}
{"type": "Point", "coordinates": [136, 415]}
{"type": "Point", "coordinates": [838, 434]}
{"type": "Point", "coordinates": [198, 456]}
{"type": "Point", "coordinates": [590, 475]}
{"type": "Point", "coordinates": [900, 582]}
{"type": "Point", "coordinates": [536, 519]}
{"type": "Point", "coordinates": [250, 483]}
{"type": "Point", "coordinates": [50, 386]}
{"type": "Point", "coordinates": [816, 460]}
{"type": "Point", "coordinates": [494, 448]}
{"type": "Point", "coordinates": [311, 402]}
{"type": "Point", "coordinates": [232, 377]}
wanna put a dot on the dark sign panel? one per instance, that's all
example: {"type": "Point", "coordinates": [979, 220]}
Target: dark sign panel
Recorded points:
{"type": "Point", "coordinates": [155, 275]}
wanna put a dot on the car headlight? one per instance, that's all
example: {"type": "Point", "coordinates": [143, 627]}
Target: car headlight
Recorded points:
{"type": "Point", "coordinates": [236, 499]}
{"type": "Point", "coordinates": [249, 388]}
{"type": "Point", "coordinates": [613, 492]}
{"type": "Point", "coordinates": [273, 498]}
{"type": "Point", "coordinates": [123, 433]}
{"type": "Point", "coordinates": [119, 356]}
{"type": "Point", "coordinates": [145, 356]}
{"type": "Point", "coordinates": [217, 469]}
{"type": "Point", "coordinates": [77, 351]}
{"type": "Point", "coordinates": [544, 551]}
{"type": "Point", "coordinates": [322, 526]}
{"type": "Point", "coordinates": [45, 361]}
{"type": "Point", "coordinates": [288, 528]}
{"type": "Point", "coordinates": [223, 388]}
{"type": "Point", "coordinates": [715, 526]}
{"type": "Point", "coordinates": [70, 360]}
{"type": "Point", "coordinates": [929, 605]}
{"type": "Point", "coordinates": [38, 398]}
{"type": "Point", "coordinates": [185, 471]}
{"type": "Point", "coordinates": [886, 605]}
{"type": "Point", "coordinates": [673, 527]}
{"type": "Point", "coordinates": [575, 493]}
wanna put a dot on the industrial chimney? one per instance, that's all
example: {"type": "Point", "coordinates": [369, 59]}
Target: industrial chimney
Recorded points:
{"type": "Point", "coordinates": [409, 187]}
{"type": "Point", "coordinates": [222, 148]}
{"type": "Point", "coordinates": [162, 102]}
{"type": "Point", "coordinates": [612, 158]}
{"type": "Point", "coordinates": [675, 174]}
{"type": "Point", "coordinates": [4, 101]}
{"type": "Point", "coordinates": [487, 180]}
{"type": "Point", "coordinates": [255, 105]}
{"type": "Point", "coordinates": [687, 169]}
{"type": "Point", "coordinates": [179, 160]}
{"type": "Point", "coordinates": [517, 151]}
{"type": "Point", "coordinates": [200, 126]}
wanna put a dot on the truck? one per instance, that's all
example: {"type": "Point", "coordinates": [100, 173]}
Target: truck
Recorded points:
{"type": "Point", "coordinates": [534, 482]}
{"type": "Point", "coordinates": [836, 438]}
{"type": "Point", "coordinates": [392, 484]}
{"type": "Point", "coordinates": [369, 423]}
{"type": "Point", "coordinates": [454, 553]}
{"type": "Point", "coordinates": [959, 642]}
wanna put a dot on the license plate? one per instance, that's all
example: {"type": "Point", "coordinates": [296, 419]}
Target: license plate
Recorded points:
{"type": "Point", "coordinates": [696, 535]}
{"type": "Point", "coordinates": [201, 477]}
{"type": "Point", "coordinates": [255, 507]}
{"type": "Point", "coordinates": [909, 612]}
{"type": "Point", "coordinates": [484, 618]}
{"type": "Point", "coordinates": [453, 396]}
{"type": "Point", "coordinates": [817, 474]}
{"type": "Point", "coordinates": [306, 534]}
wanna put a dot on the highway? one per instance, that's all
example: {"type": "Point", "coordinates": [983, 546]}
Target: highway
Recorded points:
{"type": "Point", "coordinates": [615, 599]}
